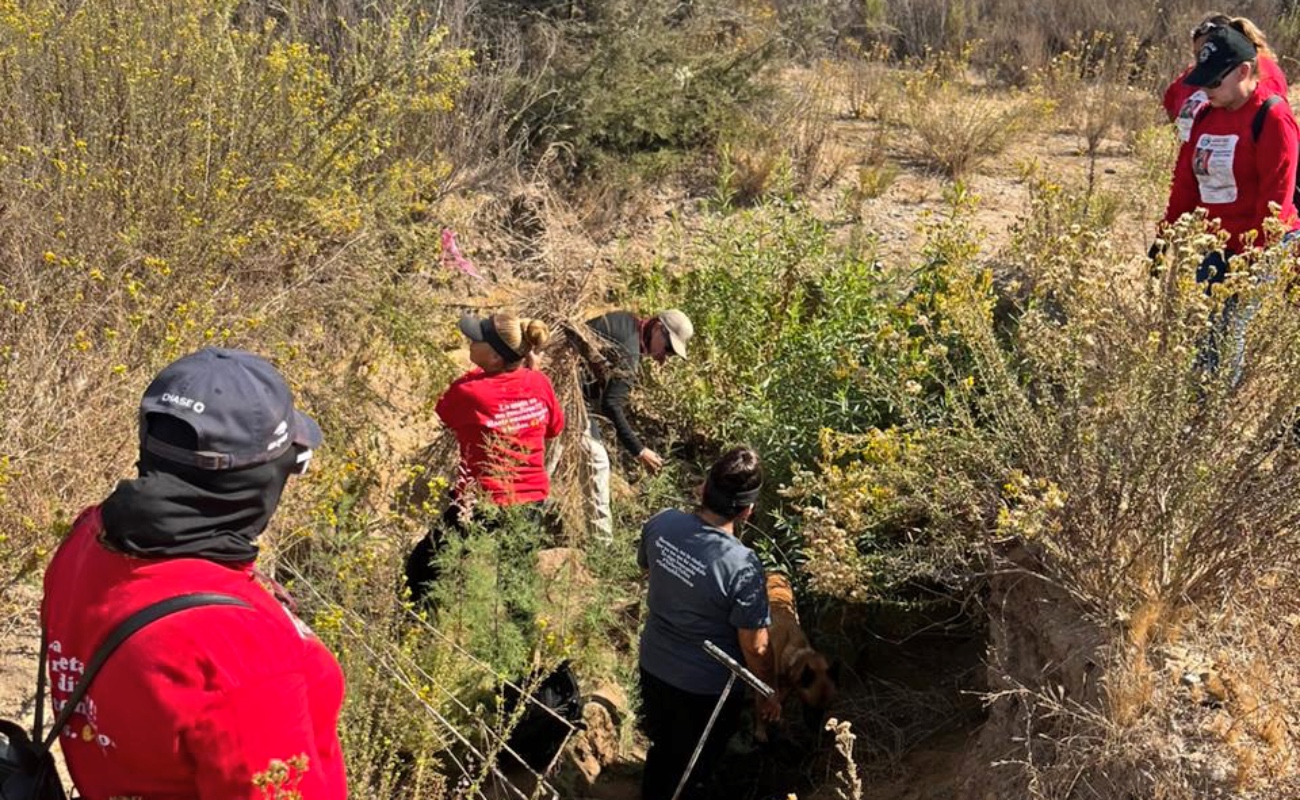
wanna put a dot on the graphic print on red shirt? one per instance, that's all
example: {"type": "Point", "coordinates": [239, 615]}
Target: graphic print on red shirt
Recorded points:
{"type": "Point", "coordinates": [1234, 177]}
{"type": "Point", "coordinates": [195, 704]}
{"type": "Point", "coordinates": [501, 422]}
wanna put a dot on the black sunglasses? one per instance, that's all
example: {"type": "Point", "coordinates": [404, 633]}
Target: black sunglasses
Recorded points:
{"type": "Point", "coordinates": [1216, 84]}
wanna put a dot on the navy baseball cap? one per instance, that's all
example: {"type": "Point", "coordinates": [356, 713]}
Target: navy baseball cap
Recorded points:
{"type": "Point", "coordinates": [1224, 49]}
{"type": "Point", "coordinates": [239, 406]}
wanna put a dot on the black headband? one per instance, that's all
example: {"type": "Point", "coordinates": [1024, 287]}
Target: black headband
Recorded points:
{"type": "Point", "coordinates": [498, 344]}
{"type": "Point", "coordinates": [729, 504]}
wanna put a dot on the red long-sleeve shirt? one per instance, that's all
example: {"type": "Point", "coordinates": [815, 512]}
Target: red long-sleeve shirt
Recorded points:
{"type": "Point", "coordinates": [1182, 102]}
{"type": "Point", "coordinates": [502, 422]}
{"type": "Point", "coordinates": [194, 705]}
{"type": "Point", "coordinates": [1224, 170]}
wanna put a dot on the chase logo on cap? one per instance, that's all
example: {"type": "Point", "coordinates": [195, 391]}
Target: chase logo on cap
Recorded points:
{"type": "Point", "coordinates": [183, 402]}
{"type": "Point", "coordinates": [1208, 49]}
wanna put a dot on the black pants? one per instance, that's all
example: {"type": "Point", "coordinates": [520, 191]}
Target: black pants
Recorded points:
{"type": "Point", "coordinates": [673, 720]}
{"type": "Point", "coordinates": [422, 564]}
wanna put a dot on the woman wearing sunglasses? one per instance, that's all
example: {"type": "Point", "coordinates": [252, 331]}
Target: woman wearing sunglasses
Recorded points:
{"type": "Point", "coordinates": [1182, 101]}
{"type": "Point", "coordinates": [1242, 152]}
{"type": "Point", "coordinates": [1239, 162]}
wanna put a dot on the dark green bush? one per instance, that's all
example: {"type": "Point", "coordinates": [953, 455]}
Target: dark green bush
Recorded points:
{"type": "Point", "coordinates": [794, 334]}
{"type": "Point", "coordinates": [622, 77]}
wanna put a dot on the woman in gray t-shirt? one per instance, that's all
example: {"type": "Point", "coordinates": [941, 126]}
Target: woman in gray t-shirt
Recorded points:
{"type": "Point", "coordinates": [704, 585]}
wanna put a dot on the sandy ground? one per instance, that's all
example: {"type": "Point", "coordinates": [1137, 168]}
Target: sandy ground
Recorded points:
{"type": "Point", "coordinates": [19, 643]}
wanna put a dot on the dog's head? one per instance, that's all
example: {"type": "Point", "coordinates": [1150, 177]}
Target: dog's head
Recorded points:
{"type": "Point", "coordinates": [814, 680]}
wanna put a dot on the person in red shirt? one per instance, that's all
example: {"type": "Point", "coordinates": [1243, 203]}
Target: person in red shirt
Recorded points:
{"type": "Point", "coordinates": [1233, 174]}
{"type": "Point", "coordinates": [201, 702]}
{"type": "Point", "coordinates": [1183, 102]}
{"type": "Point", "coordinates": [502, 412]}
{"type": "Point", "coordinates": [1225, 170]}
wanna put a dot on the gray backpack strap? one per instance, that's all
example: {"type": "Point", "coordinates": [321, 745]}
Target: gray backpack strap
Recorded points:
{"type": "Point", "coordinates": [124, 631]}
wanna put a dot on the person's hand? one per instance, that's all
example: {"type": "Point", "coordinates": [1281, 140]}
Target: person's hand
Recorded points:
{"type": "Point", "coordinates": [650, 459]}
{"type": "Point", "coordinates": [768, 709]}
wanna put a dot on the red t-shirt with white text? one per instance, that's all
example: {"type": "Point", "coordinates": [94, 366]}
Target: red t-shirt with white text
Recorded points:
{"type": "Point", "coordinates": [502, 422]}
{"type": "Point", "coordinates": [1224, 170]}
{"type": "Point", "coordinates": [192, 706]}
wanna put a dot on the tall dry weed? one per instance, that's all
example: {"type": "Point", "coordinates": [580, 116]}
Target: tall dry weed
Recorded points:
{"type": "Point", "coordinates": [785, 148]}
{"type": "Point", "coordinates": [202, 179]}
{"type": "Point", "coordinates": [954, 128]}
{"type": "Point", "coordinates": [1099, 92]}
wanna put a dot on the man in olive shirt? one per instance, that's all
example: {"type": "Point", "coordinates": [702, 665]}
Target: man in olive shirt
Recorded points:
{"type": "Point", "coordinates": [608, 385]}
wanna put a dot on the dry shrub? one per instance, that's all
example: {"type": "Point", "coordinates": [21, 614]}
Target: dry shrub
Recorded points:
{"type": "Point", "coordinates": [747, 177]}
{"type": "Point", "coordinates": [1100, 92]}
{"type": "Point", "coordinates": [270, 182]}
{"type": "Point", "coordinates": [206, 181]}
{"type": "Point", "coordinates": [1077, 422]}
{"type": "Point", "coordinates": [1205, 716]}
{"type": "Point", "coordinates": [875, 175]}
{"type": "Point", "coordinates": [1030, 34]}
{"type": "Point", "coordinates": [783, 148]}
{"type": "Point", "coordinates": [869, 82]}
{"type": "Point", "coordinates": [1096, 401]}
{"type": "Point", "coordinates": [955, 128]}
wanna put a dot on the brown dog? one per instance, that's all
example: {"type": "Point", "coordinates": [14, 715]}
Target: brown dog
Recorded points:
{"type": "Point", "coordinates": [798, 667]}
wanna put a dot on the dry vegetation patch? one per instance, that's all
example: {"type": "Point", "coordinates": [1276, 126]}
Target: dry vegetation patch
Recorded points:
{"type": "Point", "coordinates": [280, 181]}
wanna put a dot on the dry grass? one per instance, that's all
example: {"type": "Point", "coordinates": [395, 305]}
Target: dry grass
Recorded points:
{"type": "Point", "coordinates": [1102, 87]}
{"type": "Point", "coordinates": [1205, 715]}
{"type": "Point", "coordinates": [955, 128]}
{"type": "Point", "coordinates": [870, 83]}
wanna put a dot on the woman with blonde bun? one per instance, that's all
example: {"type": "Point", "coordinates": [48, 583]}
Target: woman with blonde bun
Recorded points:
{"type": "Point", "coordinates": [502, 412]}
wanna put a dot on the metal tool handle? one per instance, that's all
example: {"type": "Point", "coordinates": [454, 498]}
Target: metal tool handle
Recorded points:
{"type": "Point", "coordinates": [738, 669]}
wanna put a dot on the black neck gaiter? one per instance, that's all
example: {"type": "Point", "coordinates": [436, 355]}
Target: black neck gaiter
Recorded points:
{"type": "Point", "coordinates": [173, 510]}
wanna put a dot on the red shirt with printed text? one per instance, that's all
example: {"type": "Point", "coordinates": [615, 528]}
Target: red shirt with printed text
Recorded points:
{"type": "Point", "coordinates": [1224, 170]}
{"type": "Point", "coordinates": [199, 702]}
{"type": "Point", "coordinates": [502, 422]}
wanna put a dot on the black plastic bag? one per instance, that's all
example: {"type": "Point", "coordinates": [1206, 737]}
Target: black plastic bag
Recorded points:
{"type": "Point", "coordinates": [539, 735]}
{"type": "Point", "coordinates": [27, 769]}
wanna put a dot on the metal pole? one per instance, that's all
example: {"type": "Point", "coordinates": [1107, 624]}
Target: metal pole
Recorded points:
{"type": "Point", "coordinates": [695, 756]}
{"type": "Point", "coordinates": [736, 670]}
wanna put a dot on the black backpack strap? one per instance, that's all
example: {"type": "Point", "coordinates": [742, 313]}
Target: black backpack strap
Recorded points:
{"type": "Point", "coordinates": [38, 715]}
{"type": "Point", "coordinates": [1257, 124]}
{"type": "Point", "coordinates": [121, 633]}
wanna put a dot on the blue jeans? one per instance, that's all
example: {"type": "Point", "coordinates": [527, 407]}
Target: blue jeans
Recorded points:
{"type": "Point", "coordinates": [1226, 338]}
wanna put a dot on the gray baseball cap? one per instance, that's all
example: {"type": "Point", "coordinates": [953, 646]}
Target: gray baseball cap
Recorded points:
{"type": "Point", "coordinates": [238, 405]}
{"type": "Point", "coordinates": [679, 329]}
